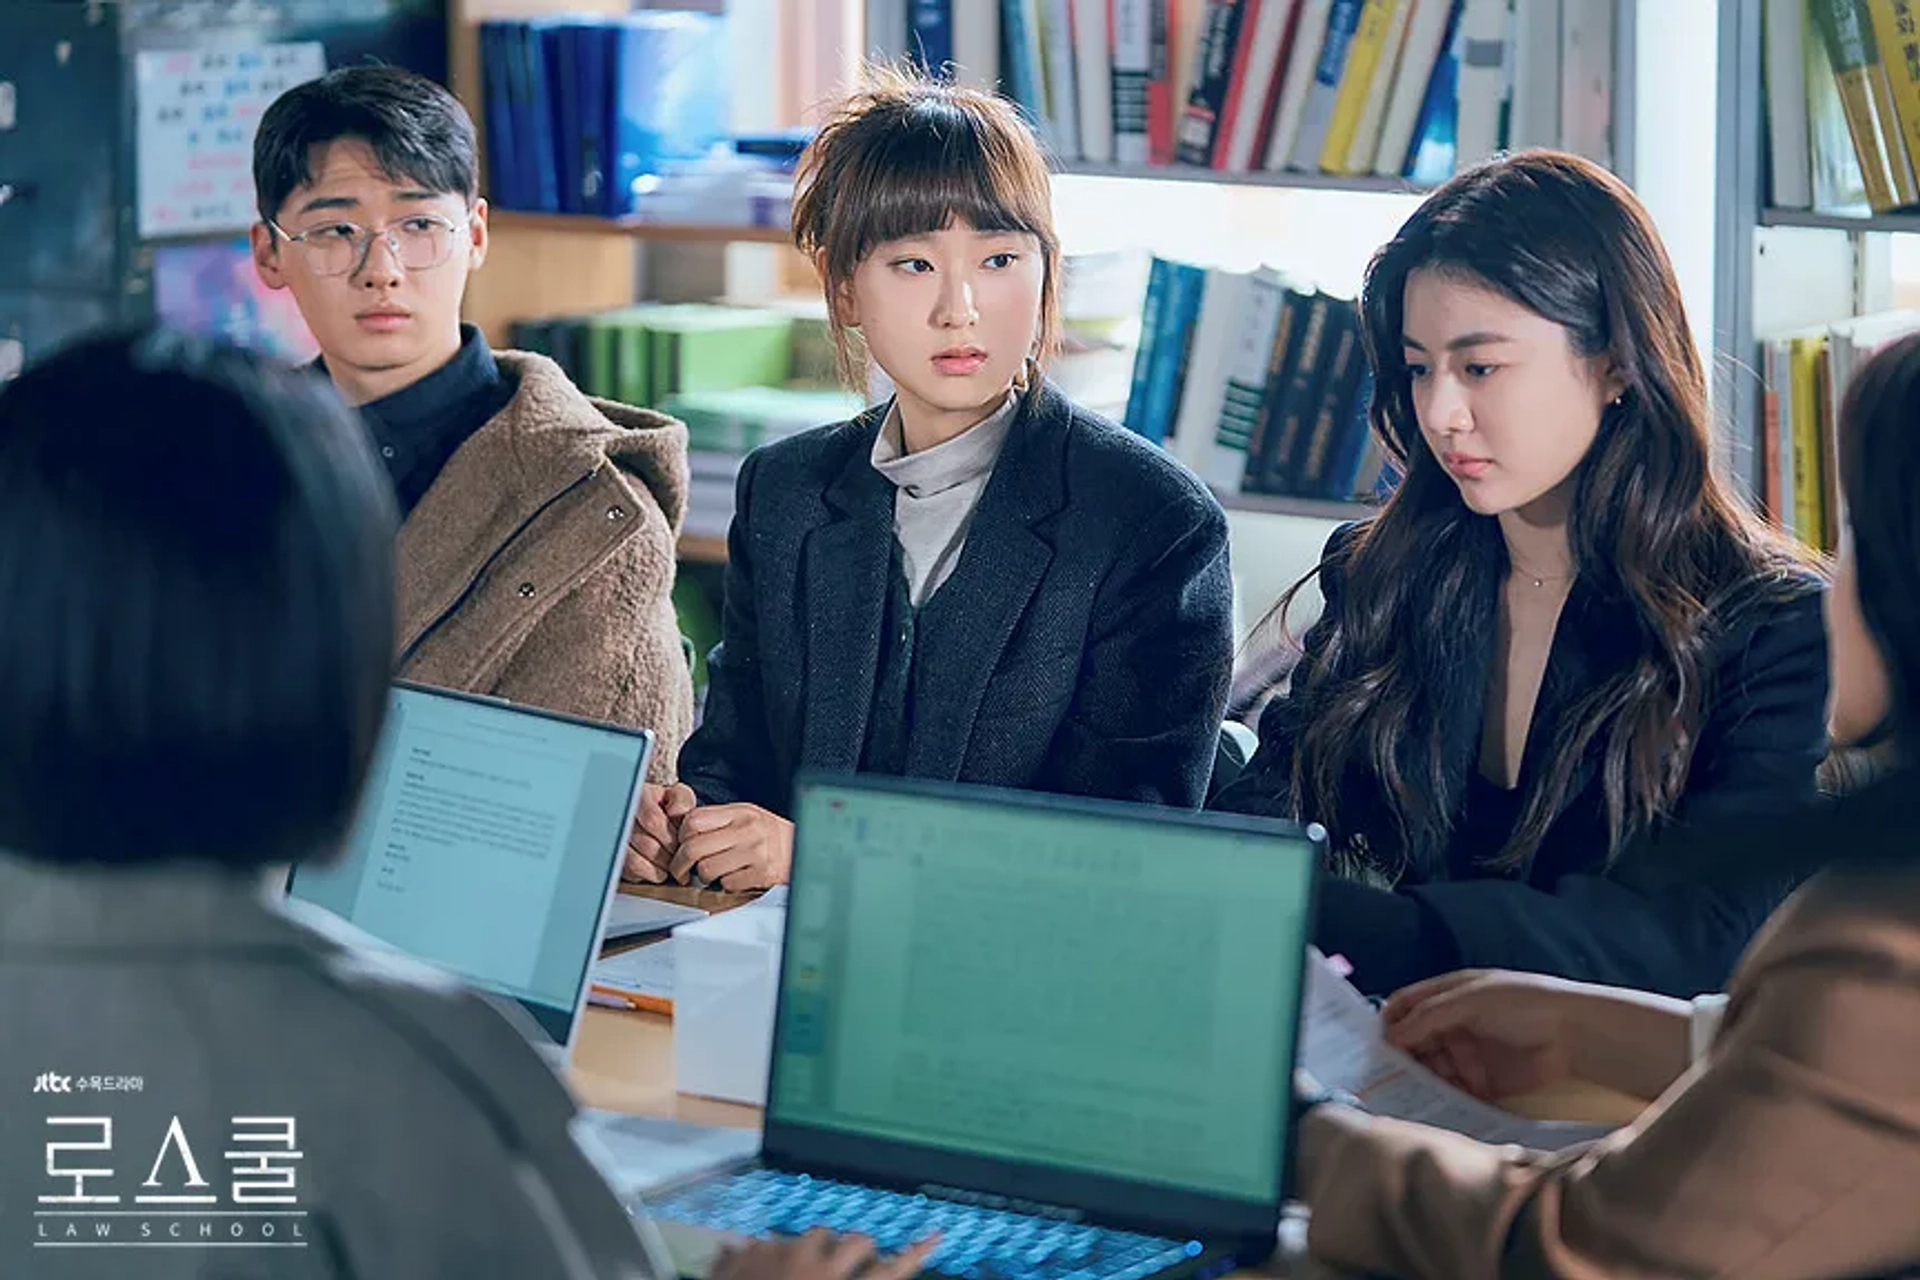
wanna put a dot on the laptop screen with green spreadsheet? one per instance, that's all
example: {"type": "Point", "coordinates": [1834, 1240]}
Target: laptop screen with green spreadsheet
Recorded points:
{"type": "Point", "coordinates": [1102, 989]}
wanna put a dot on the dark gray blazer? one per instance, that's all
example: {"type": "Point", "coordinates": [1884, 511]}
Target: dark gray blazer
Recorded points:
{"type": "Point", "coordinates": [1083, 644]}
{"type": "Point", "coordinates": [433, 1140]}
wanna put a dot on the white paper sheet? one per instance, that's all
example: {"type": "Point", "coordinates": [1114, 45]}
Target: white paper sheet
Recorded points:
{"type": "Point", "coordinates": [1342, 1048]}
{"type": "Point", "coordinates": [638, 1153]}
{"type": "Point", "coordinates": [644, 971]}
{"type": "Point", "coordinates": [630, 916]}
{"type": "Point", "coordinates": [198, 110]}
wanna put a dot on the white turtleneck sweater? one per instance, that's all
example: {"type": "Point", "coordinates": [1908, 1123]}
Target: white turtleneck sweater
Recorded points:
{"type": "Point", "coordinates": [936, 492]}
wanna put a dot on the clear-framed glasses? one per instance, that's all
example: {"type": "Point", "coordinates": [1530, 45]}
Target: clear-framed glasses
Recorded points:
{"type": "Point", "coordinates": [419, 242]}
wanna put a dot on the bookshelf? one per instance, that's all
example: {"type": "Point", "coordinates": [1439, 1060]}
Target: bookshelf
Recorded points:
{"type": "Point", "coordinates": [1880, 223]}
{"type": "Point", "coordinates": [1778, 271]}
{"type": "Point", "coordinates": [515, 221]}
{"type": "Point", "coordinates": [552, 263]}
{"type": "Point", "coordinates": [1252, 178]}
{"type": "Point", "coordinates": [1569, 80]}
{"type": "Point", "coordinates": [1278, 504]}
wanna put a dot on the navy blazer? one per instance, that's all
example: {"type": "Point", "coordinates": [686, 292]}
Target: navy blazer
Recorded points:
{"type": "Point", "coordinates": [1657, 916]}
{"type": "Point", "coordinates": [1087, 635]}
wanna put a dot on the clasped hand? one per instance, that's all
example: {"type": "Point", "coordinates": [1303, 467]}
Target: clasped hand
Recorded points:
{"type": "Point", "coordinates": [677, 840]}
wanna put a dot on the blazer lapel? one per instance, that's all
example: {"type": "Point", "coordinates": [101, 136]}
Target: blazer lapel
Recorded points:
{"type": "Point", "coordinates": [1460, 668]}
{"type": "Point", "coordinates": [1594, 636]}
{"type": "Point", "coordinates": [844, 591]}
{"type": "Point", "coordinates": [1000, 568]}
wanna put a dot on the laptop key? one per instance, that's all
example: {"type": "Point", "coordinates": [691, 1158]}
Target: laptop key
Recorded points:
{"type": "Point", "coordinates": [976, 1243]}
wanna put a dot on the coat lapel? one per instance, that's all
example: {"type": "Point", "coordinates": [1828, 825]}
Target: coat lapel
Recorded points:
{"type": "Point", "coordinates": [1459, 667]}
{"type": "Point", "coordinates": [973, 616]}
{"type": "Point", "coordinates": [1593, 638]}
{"type": "Point", "coordinates": [844, 591]}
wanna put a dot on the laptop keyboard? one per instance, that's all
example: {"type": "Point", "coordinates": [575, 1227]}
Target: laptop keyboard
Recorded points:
{"type": "Point", "coordinates": [975, 1243]}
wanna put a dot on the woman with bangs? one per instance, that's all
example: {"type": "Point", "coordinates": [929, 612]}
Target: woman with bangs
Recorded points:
{"type": "Point", "coordinates": [1562, 637]}
{"type": "Point", "coordinates": [977, 581]}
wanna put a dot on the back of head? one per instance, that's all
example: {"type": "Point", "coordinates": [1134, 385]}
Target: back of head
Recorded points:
{"type": "Point", "coordinates": [1880, 479]}
{"type": "Point", "coordinates": [416, 129]}
{"type": "Point", "coordinates": [196, 554]}
{"type": "Point", "coordinates": [907, 156]}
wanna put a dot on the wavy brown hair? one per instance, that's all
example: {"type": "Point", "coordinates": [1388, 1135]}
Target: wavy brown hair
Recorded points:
{"type": "Point", "coordinates": [1650, 524]}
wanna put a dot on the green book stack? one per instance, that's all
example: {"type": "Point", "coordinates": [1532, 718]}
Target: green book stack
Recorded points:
{"type": "Point", "coordinates": [643, 354]}
{"type": "Point", "coordinates": [740, 420]}
{"type": "Point", "coordinates": [618, 353]}
{"type": "Point", "coordinates": [706, 348]}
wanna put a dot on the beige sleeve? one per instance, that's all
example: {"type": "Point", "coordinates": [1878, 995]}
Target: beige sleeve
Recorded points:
{"type": "Point", "coordinates": [611, 651]}
{"type": "Point", "coordinates": [1792, 1149]}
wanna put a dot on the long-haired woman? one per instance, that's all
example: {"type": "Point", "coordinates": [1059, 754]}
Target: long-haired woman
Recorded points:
{"type": "Point", "coordinates": [1786, 1138]}
{"type": "Point", "coordinates": [1562, 635]}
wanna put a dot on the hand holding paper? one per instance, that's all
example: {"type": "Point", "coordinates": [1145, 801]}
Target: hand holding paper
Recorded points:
{"type": "Point", "coordinates": [1342, 1047]}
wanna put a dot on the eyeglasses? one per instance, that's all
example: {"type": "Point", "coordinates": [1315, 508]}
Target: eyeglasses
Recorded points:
{"type": "Point", "coordinates": [419, 243]}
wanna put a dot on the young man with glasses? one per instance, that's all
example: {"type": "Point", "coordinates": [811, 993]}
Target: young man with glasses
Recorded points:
{"type": "Point", "coordinates": [536, 557]}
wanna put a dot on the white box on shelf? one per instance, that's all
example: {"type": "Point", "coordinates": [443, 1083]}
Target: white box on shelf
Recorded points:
{"type": "Point", "coordinates": [726, 973]}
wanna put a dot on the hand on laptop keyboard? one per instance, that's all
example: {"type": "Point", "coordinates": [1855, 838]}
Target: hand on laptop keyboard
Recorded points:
{"type": "Point", "coordinates": [820, 1255]}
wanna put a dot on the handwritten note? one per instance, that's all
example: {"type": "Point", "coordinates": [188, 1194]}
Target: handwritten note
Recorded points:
{"type": "Point", "coordinates": [1341, 1047]}
{"type": "Point", "coordinates": [198, 111]}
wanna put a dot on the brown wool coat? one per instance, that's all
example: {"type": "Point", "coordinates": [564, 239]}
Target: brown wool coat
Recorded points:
{"type": "Point", "coordinates": [539, 567]}
{"type": "Point", "coordinates": [1790, 1152]}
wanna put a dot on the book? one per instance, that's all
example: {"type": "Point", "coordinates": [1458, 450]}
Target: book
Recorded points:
{"type": "Point", "coordinates": [1431, 155]}
{"type": "Point", "coordinates": [1789, 150]}
{"type": "Point", "coordinates": [1224, 308]}
{"type": "Point", "coordinates": [1316, 117]}
{"type": "Point", "coordinates": [1212, 75]}
{"type": "Point", "coordinates": [1428, 27]}
{"type": "Point", "coordinates": [1225, 468]}
{"type": "Point", "coordinates": [930, 35]}
{"type": "Point", "coordinates": [1483, 50]}
{"type": "Point", "coordinates": [1093, 76]}
{"type": "Point", "coordinates": [1303, 54]}
{"type": "Point", "coordinates": [1373, 113]}
{"type": "Point", "coordinates": [976, 42]}
{"type": "Point", "coordinates": [1254, 88]}
{"type": "Point", "coordinates": [1133, 34]}
{"type": "Point", "coordinates": [1063, 90]}
{"type": "Point", "coordinates": [1896, 30]}
{"type": "Point", "coordinates": [1356, 82]}
{"type": "Point", "coordinates": [1866, 97]}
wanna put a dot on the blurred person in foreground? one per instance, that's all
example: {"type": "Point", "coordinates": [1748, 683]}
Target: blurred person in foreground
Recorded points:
{"type": "Point", "coordinates": [194, 673]}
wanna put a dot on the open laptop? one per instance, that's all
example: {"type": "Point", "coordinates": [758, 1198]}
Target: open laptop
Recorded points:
{"type": "Point", "coordinates": [489, 842]}
{"type": "Point", "coordinates": [1060, 1032]}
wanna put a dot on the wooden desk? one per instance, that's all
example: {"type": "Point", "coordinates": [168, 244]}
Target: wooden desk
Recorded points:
{"type": "Point", "coordinates": [623, 1060]}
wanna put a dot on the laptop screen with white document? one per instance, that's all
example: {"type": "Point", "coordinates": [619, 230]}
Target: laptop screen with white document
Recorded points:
{"type": "Point", "coordinates": [1097, 988]}
{"type": "Point", "coordinates": [488, 842]}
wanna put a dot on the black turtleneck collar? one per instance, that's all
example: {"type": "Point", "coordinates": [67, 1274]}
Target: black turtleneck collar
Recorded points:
{"type": "Point", "coordinates": [419, 427]}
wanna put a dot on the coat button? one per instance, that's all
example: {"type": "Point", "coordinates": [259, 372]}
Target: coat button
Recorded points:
{"type": "Point", "coordinates": [526, 589]}
{"type": "Point", "coordinates": [616, 513]}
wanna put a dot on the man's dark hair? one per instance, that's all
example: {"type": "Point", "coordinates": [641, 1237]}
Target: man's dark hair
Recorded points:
{"type": "Point", "coordinates": [196, 555]}
{"type": "Point", "coordinates": [417, 130]}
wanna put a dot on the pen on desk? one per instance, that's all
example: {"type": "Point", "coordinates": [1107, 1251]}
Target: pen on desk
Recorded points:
{"type": "Point", "coordinates": [646, 1004]}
